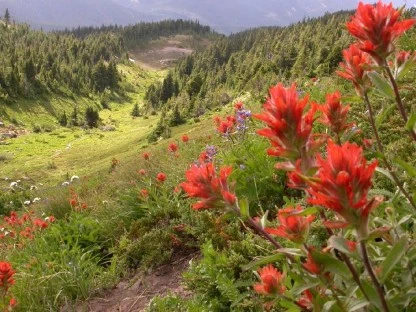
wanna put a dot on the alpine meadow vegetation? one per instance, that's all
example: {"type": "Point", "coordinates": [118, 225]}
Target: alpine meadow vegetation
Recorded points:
{"type": "Point", "coordinates": [301, 197]}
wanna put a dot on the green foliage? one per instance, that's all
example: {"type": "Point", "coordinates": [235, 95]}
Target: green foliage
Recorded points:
{"type": "Point", "coordinates": [161, 130]}
{"type": "Point", "coordinates": [252, 60]}
{"type": "Point", "coordinates": [92, 117]}
{"type": "Point", "coordinates": [136, 111]}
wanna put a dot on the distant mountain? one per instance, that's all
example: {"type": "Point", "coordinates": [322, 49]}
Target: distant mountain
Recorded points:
{"type": "Point", "coordinates": [223, 15]}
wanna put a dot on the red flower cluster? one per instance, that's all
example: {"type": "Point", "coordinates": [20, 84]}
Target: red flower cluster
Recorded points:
{"type": "Point", "coordinates": [19, 228]}
{"type": "Point", "coordinates": [173, 147]}
{"type": "Point", "coordinates": [161, 177]}
{"type": "Point", "coordinates": [6, 275]}
{"type": "Point", "coordinates": [75, 202]}
{"type": "Point", "coordinates": [226, 126]}
{"type": "Point", "coordinates": [311, 266]}
{"type": "Point", "coordinates": [142, 172]}
{"type": "Point", "coordinates": [292, 226]}
{"type": "Point", "coordinates": [376, 28]}
{"type": "Point", "coordinates": [203, 182]}
{"type": "Point", "coordinates": [288, 128]}
{"type": "Point", "coordinates": [146, 156]}
{"type": "Point", "coordinates": [334, 115]}
{"type": "Point", "coordinates": [356, 62]}
{"type": "Point", "coordinates": [343, 184]}
{"type": "Point", "coordinates": [185, 138]}
{"type": "Point", "coordinates": [271, 281]}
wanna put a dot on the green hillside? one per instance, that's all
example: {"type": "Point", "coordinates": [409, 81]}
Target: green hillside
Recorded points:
{"type": "Point", "coordinates": [245, 174]}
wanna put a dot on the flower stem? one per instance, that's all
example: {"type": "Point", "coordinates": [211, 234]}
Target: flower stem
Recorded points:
{"type": "Point", "coordinates": [399, 101]}
{"type": "Point", "coordinates": [383, 156]}
{"type": "Point", "coordinates": [347, 261]}
{"type": "Point", "coordinates": [373, 277]}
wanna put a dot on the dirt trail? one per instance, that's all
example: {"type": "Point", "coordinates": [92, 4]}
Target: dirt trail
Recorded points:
{"type": "Point", "coordinates": [135, 293]}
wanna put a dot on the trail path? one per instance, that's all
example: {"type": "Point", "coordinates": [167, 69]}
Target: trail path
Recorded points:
{"type": "Point", "coordinates": [135, 294]}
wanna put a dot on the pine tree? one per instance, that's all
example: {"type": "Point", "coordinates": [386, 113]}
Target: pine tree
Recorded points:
{"type": "Point", "coordinates": [136, 111]}
{"type": "Point", "coordinates": [7, 16]}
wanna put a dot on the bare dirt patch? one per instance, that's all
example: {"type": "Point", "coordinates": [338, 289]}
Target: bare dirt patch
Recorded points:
{"type": "Point", "coordinates": [165, 52]}
{"type": "Point", "coordinates": [134, 294]}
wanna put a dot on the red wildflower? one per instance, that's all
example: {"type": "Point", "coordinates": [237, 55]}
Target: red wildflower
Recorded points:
{"type": "Point", "coordinates": [12, 302]}
{"type": "Point", "coordinates": [306, 300]}
{"type": "Point", "coordinates": [311, 266]}
{"type": "Point", "coordinates": [203, 157]}
{"type": "Point", "coordinates": [51, 219]}
{"type": "Point", "coordinates": [142, 172]}
{"type": "Point", "coordinates": [144, 193]}
{"type": "Point", "coordinates": [402, 59]}
{"type": "Point", "coordinates": [271, 281]}
{"type": "Point", "coordinates": [185, 138]}
{"type": "Point", "coordinates": [146, 156]}
{"type": "Point", "coordinates": [173, 147]}
{"type": "Point", "coordinates": [73, 202]}
{"type": "Point", "coordinates": [377, 27]}
{"type": "Point", "coordinates": [161, 177]}
{"type": "Point", "coordinates": [217, 120]}
{"type": "Point", "coordinates": [239, 105]}
{"type": "Point", "coordinates": [288, 129]}
{"type": "Point", "coordinates": [296, 177]}
{"type": "Point", "coordinates": [292, 226]}
{"type": "Point", "coordinates": [354, 68]}
{"type": "Point", "coordinates": [352, 246]}
{"type": "Point", "coordinates": [6, 275]}
{"type": "Point", "coordinates": [204, 183]}
{"type": "Point", "coordinates": [84, 206]}
{"type": "Point", "coordinates": [343, 184]}
{"type": "Point", "coordinates": [40, 223]}
{"type": "Point", "coordinates": [334, 114]}
{"type": "Point", "coordinates": [225, 127]}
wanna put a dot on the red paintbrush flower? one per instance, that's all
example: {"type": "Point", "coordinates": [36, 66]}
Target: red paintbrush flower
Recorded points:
{"type": "Point", "coordinates": [185, 138]}
{"type": "Point", "coordinates": [376, 28]}
{"type": "Point", "coordinates": [173, 147]}
{"type": "Point", "coordinates": [225, 127]}
{"type": "Point", "coordinates": [354, 68]}
{"type": "Point", "coordinates": [311, 266]}
{"type": "Point", "coordinates": [293, 227]}
{"type": "Point", "coordinates": [344, 179]}
{"type": "Point", "coordinates": [204, 183]}
{"type": "Point", "coordinates": [306, 300]}
{"type": "Point", "coordinates": [6, 275]}
{"type": "Point", "coordinates": [288, 127]}
{"type": "Point", "coordinates": [144, 193]}
{"type": "Point", "coordinates": [271, 281]}
{"type": "Point", "coordinates": [334, 114]}
{"type": "Point", "coordinates": [146, 156]}
{"type": "Point", "coordinates": [161, 177]}
{"type": "Point", "coordinates": [142, 172]}
{"type": "Point", "coordinates": [238, 106]}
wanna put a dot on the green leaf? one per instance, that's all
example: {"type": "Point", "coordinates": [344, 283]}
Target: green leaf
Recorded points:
{"type": "Point", "coordinates": [264, 219]}
{"type": "Point", "coordinates": [331, 264]}
{"type": "Point", "coordinates": [290, 251]}
{"type": "Point", "coordinates": [381, 84]}
{"type": "Point", "coordinates": [339, 243]}
{"type": "Point", "coordinates": [385, 173]}
{"type": "Point", "coordinates": [304, 212]}
{"type": "Point", "coordinates": [411, 171]}
{"type": "Point", "coordinates": [297, 290]}
{"type": "Point", "coordinates": [394, 256]}
{"type": "Point", "coordinates": [411, 122]}
{"type": "Point", "coordinates": [357, 305]}
{"type": "Point", "coordinates": [244, 208]}
{"type": "Point", "coordinates": [385, 111]}
{"type": "Point", "coordinates": [261, 262]}
{"type": "Point", "coordinates": [371, 293]}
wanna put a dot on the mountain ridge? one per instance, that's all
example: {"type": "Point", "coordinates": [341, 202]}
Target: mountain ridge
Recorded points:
{"type": "Point", "coordinates": [226, 17]}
